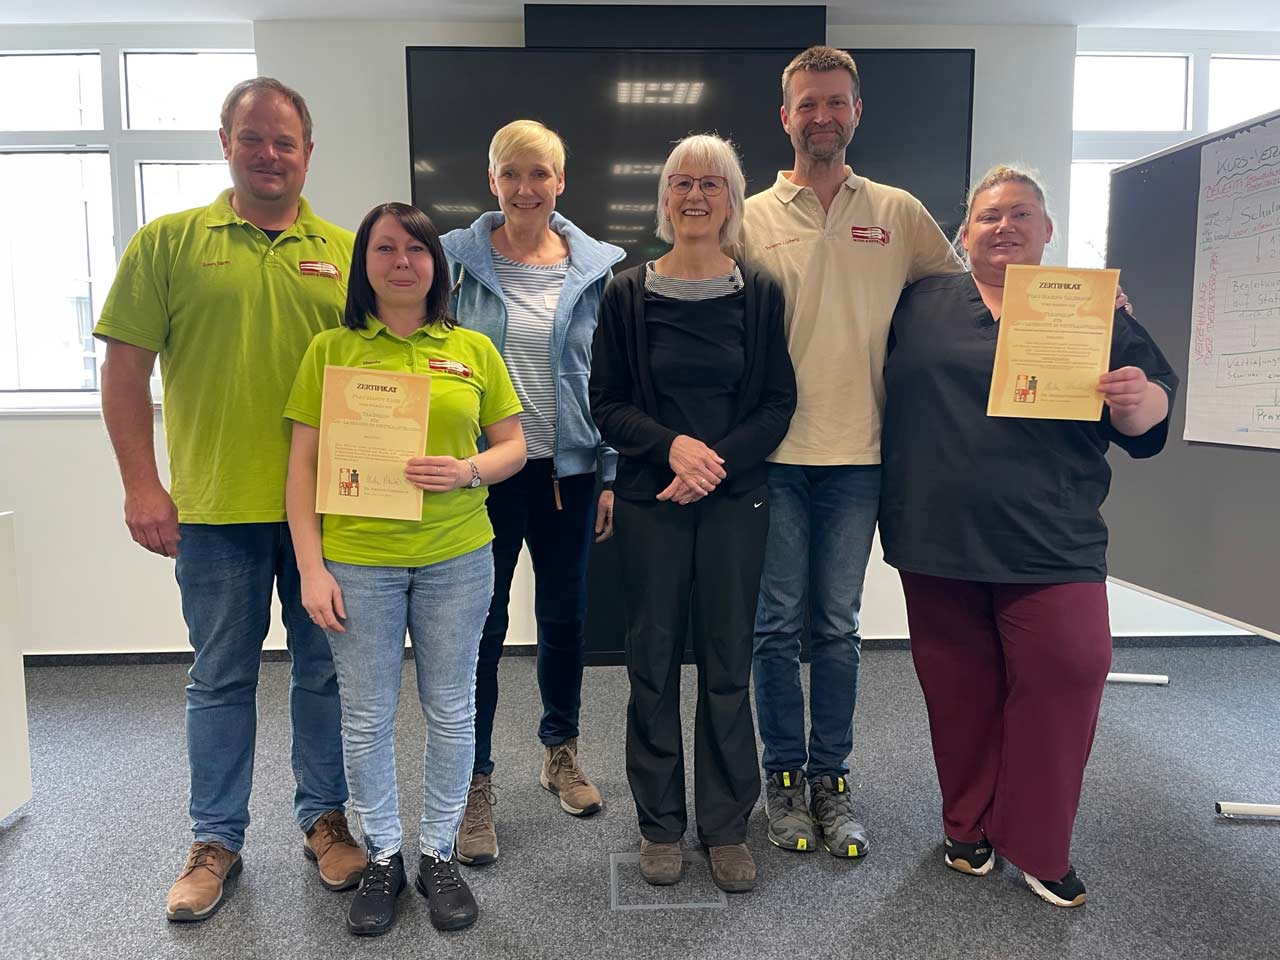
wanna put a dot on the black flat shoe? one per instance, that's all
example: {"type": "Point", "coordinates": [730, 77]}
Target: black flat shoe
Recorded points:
{"type": "Point", "coordinates": [373, 908]}
{"type": "Point", "coordinates": [450, 903]}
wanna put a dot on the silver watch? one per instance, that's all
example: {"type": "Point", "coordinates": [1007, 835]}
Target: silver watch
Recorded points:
{"type": "Point", "coordinates": [475, 473]}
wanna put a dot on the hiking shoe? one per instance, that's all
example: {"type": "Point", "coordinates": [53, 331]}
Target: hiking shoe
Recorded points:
{"type": "Point", "coordinates": [790, 825]}
{"type": "Point", "coordinates": [732, 868]}
{"type": "Point", "coordinates": [477, 840]}
{"type": "Point", "coordinates": [832, 806]}
{"type": "Point", "coordinates": [1067, 892]}
{"type": "Point", "coordinates": [660, 863]}
{"type": "Point", "coordinates": [975, 859]}
{"type": "Point", "coordinates": [330, 845]}
{"type": "Point", "coordinates": [373, 908]}
{"type": "Point", "coordinates": [197, 893]}
{"type": "Point", "coordinates": [450, 904]}
{"type": "Point", "coordinates": [562, 775]}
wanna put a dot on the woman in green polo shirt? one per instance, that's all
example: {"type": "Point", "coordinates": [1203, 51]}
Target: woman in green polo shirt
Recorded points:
{"type": "Point", "coordinates": [367, 580]}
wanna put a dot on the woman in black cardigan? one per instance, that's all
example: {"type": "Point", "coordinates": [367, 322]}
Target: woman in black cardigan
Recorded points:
{"type": "Point", "coordinates": [692, 384]}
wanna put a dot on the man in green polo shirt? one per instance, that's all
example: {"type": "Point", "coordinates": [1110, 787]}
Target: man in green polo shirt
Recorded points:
{"type": "Point", "coordinates": [229, 296]}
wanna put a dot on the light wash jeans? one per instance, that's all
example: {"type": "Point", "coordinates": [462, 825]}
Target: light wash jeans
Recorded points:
{"type": "Point", "coordinates": [821, 522]}
{"type": "Point", "coordinates": [226, 573]}
{"type": "Point", "coordinates": [443, 606]}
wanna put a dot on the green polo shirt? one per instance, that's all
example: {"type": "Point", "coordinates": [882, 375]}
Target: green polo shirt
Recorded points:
{"type": "Point", "coordinates": [231, 313]}
{"type": "Point", "coordinates": [470, 389]}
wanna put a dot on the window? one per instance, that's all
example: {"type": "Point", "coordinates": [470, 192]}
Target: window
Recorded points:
{"type": "Point", "coordinates": [70, 88]}
{"type": "Point", "coordinates": [1130, 93]}
{"type": "Point", "coordinates": [1090, 195]}
{"type": "Point", "coordinates": [118, 136]}
{"type": "Point", "coordinates": [159, 86]}
{"type": "Point", "coordinates": [1241, 88]}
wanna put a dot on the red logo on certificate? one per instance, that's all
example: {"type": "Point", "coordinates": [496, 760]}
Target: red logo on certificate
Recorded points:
{"type": "Point", "coordinates": [870, 235]}
{"type": "Point", "coordinates": [457, 368]}
{"type": "Point", "coordinates": [319, 268]}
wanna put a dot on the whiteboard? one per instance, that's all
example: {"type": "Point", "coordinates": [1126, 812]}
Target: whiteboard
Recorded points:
{"type": "Point", "coordinates": [1233, 368]}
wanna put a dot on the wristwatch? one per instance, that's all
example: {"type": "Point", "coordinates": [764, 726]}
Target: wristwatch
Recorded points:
{"type": "Point", "coordinates": [475, 473]}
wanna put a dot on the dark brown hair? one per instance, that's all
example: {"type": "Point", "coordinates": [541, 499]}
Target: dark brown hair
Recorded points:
{"type": "Point", "coordinates": [820, 59]}
{"type": "Point", "coordinates": [362, 302]}
{"type": "Point", "coordinates": [269, 85]}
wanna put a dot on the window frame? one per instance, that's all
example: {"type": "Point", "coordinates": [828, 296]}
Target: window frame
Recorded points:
{"type": "Point", "coordinates": [126, 149]}
{"type": "Point", "coordinates": [1199, 47]}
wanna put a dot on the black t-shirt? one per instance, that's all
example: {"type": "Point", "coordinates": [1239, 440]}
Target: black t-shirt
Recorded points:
{"type": "Point", "coordinates": [993, 499]}
{"type": "Point", "coordinates": [696, 359]}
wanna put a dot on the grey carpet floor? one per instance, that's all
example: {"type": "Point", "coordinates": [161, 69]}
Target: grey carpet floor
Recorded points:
{"type": "Point", "coordinates": [84, 867]}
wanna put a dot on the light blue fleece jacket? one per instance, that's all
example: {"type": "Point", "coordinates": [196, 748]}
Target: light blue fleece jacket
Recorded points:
{"type": "Point", "coordinates": [476, 300]}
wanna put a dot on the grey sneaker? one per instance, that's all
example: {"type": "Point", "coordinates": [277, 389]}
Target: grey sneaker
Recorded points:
{"type": "Point", "coordinates": [832, 806]}
{"type": "Point", "coordinates": [790, 825]}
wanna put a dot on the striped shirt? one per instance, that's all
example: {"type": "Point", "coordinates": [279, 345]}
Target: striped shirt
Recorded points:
{"type": "Point", "coordinates": [677, 289]}
{"type": "Point", "coordinates": [530, 293]}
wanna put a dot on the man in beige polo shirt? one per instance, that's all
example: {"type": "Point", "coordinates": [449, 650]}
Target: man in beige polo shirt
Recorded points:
{"type": "Point", "coordinates": [842, 248]}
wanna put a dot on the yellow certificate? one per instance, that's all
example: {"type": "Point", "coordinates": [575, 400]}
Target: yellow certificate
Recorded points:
{"type": "Point", "coordinates": [371, 423]}
{"type": "Point", "coordinates": [1054, 343]}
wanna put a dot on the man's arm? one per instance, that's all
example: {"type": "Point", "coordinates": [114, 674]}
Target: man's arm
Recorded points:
{"type": "Point", "coordinates": [127, 409]}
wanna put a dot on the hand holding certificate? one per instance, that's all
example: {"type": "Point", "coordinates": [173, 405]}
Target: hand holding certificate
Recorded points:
{"type": "Point", "coordinates": [371, 423]}
{"type": "Point", "coordinates": [1054, 343]}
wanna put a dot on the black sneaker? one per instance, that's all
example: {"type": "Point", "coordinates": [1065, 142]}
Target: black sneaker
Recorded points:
{"type": "Point", "coordinates": [373, 908]}
{"type": "Point", "coordinates": [450, 903]}
{"type": "Point", "coordinates": [975, 859]}
{"type": "Point", "coordinates": [1067, 892]}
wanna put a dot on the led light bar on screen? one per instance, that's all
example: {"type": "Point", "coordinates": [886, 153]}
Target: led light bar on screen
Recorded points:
{"type": "Point", "coordinates": [684, 93]}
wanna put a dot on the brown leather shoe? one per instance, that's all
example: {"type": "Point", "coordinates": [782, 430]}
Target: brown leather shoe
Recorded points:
{"type": "Point", "coordinates": [197, 893]}
{"type": "Point", "coordinates": [477, 840]}
{"type": "Point", "coordinates": [660, 863]}
{"type": "Point", "coordinates": [330, 844]}
{"type": "Point", "coordinates": [732, 868]}
{"type": "Point", "coordinates": [562, 775]}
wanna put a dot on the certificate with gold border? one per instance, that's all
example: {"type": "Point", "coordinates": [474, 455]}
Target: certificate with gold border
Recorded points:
{"type": "Point", "coordinates": [1054, 343]}
{"type": "Point", "coordinates": [371, 423]}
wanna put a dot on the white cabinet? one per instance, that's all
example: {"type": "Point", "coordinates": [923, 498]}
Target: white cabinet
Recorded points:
{"type": "Point", "coordinates": [15, 752]}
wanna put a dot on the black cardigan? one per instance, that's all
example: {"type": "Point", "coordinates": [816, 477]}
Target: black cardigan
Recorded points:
{"type": "Point", "coordinates": [623, 403]}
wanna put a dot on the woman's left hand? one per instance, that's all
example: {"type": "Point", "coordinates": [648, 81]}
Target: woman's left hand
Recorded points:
{"type": "Point", "coordinates": [437, 474]}
{"type": "Point", "coordinates": [1123, 390]}
{"type": "Point", "coordinates": [1122, 301]}
{"type": "Point", "coordinates": [604, 516]}
{"type": "Point", "coordinates": [681, 492]}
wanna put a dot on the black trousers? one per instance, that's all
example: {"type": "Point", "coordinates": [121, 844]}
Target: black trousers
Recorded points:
{"type": "Point", "coordinates": [523, 510]}
{"type": "Point", "coordinates": [703, 560]}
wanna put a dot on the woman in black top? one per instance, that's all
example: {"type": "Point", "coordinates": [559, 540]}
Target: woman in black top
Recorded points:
{"type": "Point", "coordinates": [692, 384]}
{"type": "Point", "coordinates": [994, 526]}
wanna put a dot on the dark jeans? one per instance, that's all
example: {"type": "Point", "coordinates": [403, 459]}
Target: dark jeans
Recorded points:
{"type": "Point", "coordinates": [523, 510]}
{"type": "Point", "coordinates": [821, 525]}
{"type": "Point", "coordinates": [702, 559]}
{"type": "Point", "coordinates": [226, 573]}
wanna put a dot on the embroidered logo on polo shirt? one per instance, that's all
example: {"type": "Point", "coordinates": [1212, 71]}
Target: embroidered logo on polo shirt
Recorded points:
{"type": "Point", "coordinates": [870, 235]}
{"type": "Point", "coordinates": [214, 263]}
{"type": "Point", "coordinates": [319, 268]}
{"type": "Point", "coordinates": [781, 243]}
{"type": "Point", "coordinates": [457, 368]}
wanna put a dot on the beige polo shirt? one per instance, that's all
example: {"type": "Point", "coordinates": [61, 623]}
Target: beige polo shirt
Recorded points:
{"type": "Point", "coordinates": [841, 271]}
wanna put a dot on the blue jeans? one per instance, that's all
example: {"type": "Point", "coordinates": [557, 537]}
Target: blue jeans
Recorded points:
{"type": "Point", "coordinates": [226, 573]}
{"type": "Point", "coordinates": [821, 523]}
{"type": "Point", "coordinates": [442, 606]}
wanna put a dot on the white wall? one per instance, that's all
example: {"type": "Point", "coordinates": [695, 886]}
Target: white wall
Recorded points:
{"type": "Point", "coordinates": [84, 586]}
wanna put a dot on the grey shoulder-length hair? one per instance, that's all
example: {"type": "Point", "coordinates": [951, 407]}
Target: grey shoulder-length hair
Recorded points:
{"type": "Point", "coordinates": [706, 153]}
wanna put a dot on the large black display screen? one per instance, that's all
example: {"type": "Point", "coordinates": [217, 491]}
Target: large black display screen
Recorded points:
{"type": "Point", "coordinates": [619, 111]}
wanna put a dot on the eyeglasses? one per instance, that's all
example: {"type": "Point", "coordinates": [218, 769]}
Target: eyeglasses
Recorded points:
{"type": "Point", "coordinates": [710, 185]}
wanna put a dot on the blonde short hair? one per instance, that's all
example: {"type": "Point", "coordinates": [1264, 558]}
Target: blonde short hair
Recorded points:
{"type": "Point", "coordinates": [707, 153]}
{"type": "Point", "coordinates": [820, 59]}
{"type": "Point", "coordinates": [999, 174]}
{"type": "Point", "coordinates": [526, 137]}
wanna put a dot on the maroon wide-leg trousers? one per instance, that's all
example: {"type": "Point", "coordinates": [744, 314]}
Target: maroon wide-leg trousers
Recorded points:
{"type": "Point", "coordinates": [1012, 677]}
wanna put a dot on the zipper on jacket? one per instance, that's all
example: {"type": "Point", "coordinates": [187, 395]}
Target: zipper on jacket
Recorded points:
{"type": "Point", "coordinates": [555, 485]}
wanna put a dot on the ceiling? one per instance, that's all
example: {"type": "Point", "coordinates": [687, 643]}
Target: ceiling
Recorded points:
{"type": "Point", "coordinates": [1247, 15]}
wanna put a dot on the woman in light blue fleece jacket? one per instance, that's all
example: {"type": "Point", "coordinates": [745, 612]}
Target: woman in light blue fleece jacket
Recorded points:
{"type": "Point", "coordinates": [532, 281]}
